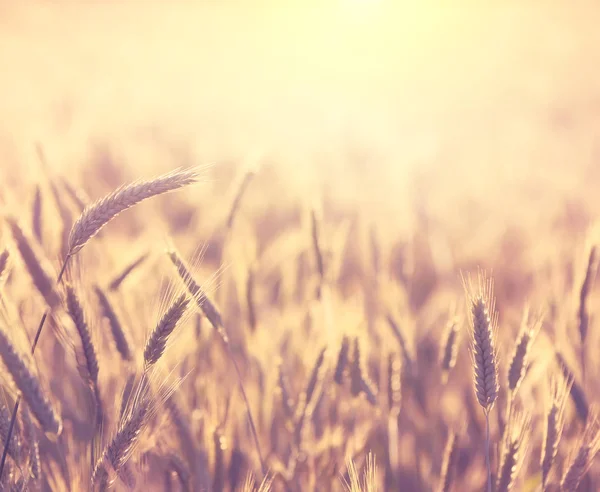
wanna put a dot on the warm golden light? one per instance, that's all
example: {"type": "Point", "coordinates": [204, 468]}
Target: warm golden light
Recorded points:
{"type": "Point", "coordinates": [331, 244]}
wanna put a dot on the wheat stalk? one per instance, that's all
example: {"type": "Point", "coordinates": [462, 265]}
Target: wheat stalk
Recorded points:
{"type": "Point", "coordinates": [449, 462]}
{"type": "Point", "coordinates": [342, 361]}
{"type": "Point", "coordinates": [29, 434]}
{"type": "Point", "coordinates": [235, 205]}
{"type": "Point", "coordinates": [576, 391]}
{"type": "Point", "coordinates": [36, 215]}
{"type": "Point", "coordinates": [116, 282]}
{"type": "Point", "coordinates": [394, 383]}
{"type": "Point", "coordinates": [520, 359]}
{"type": "Point", "coordinates": [286, 399]}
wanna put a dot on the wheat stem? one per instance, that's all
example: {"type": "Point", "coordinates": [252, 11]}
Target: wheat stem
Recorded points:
{"type": "Point", "coordinates": [487, 451]}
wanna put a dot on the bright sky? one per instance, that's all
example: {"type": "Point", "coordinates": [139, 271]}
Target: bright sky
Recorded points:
{"type": "Point", "coordinates": [404, 80]}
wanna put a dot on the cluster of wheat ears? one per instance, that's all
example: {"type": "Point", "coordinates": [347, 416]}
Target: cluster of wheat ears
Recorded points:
{"type": "Point", "coordinates": [276, 385]}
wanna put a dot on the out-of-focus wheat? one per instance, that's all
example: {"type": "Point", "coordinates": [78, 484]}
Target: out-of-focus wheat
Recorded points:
{"type": "Point", "coordinates": [29, 386]}
{"type": "Point", "coordinates": [36, 264]}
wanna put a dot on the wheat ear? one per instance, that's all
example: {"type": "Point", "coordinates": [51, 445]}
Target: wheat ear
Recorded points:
{"type": "Point", "coordinates": [118, 451]}
{"type": "Point", "coordinates": [359, 380]}
{"type": "Point", "coordinates": [589, 447]}
{"type": "Point", "coordinates": [38, 333]}
{"type": "Point", "coordinates": [4, 264]}
{"type": "Point", "coordinates": [398, 333]}
{"type": "Point", "coordinates": [158, 338]}
{"type": "Point", "coordinates": [97, 215]}
{"type": "Point", "coordinates": [576, 391]}
{"type": "Point", "coordinates": [483, 350]}
{"type": "Point", "coordinates": [514, 452]}
{"type": "Point", "coordinates": [14, 444]}
{"type": "Point", "coordinates": [90, 371]}
{"type": "Point", "coordinates": [583, 312]}
{"type": "Point", "coordinates": [94, 218]}
{"type": "Point", "coordinates": [316, 245]}
{"type": "Point", "coordinates": [36, 264]}
{"type": "Point", "coordinates": [450, 352]}
{"type": "Point", "coordinates": [554, 426]}
{"type": "Point", "coordinates": [205, 304]}
{"type": "Point", "coordinates": [75, 311]}
{"type": "Point", "coordinates": [214, 316]}
{"type": "Point", "coordinates": [29, 387]}
{"type": "Point", "coordinates": [342, 361]}
{"type": "Point", "coordinates": [120, 337]}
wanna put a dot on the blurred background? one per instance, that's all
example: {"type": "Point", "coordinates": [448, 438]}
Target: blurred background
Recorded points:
{"type": "Point", "coordinates": [487, 110]}
{"type": "Point", "coordinates": [395, 146]}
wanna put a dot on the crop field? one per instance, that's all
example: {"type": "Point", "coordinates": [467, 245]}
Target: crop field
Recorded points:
{"type": "Point", "coordinates": [348, 245]}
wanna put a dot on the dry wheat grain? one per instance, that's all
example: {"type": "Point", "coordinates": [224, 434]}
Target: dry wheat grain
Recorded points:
{"type": "Point", "coordinates": [97, 215]}
{"type": "Point", "coordinates": [514, 452]}
{"type": "Point", "coordinates": [520, 359]}
{"type": "Point", "coordinates": [75, 311]}
{"type": "Point", "coordinates": [158, 338]}
{"type": "Point", "coordinates": [29, 387]}
{"type": "Point", "coordinates": [37, 266]}
{"type": "Point", "coordinates": [581, 462]}
{"type": "Point", "coordinates": [450, 352]}
{"type": "Point", "coordinates": [554, 425]}
{"type": "Point", "coordinates": [120, 337]}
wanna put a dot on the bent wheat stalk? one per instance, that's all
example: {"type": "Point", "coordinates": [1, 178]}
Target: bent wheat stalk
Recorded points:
{"type": "Point", "coordinates": [214, 317]}
{"type": "Point", "coordinates": [93, 218]}
{"type": "Point", "coordinates": [97, 215]}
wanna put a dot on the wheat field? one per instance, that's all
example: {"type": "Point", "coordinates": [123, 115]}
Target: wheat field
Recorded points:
{"type": "Point", "coordinates": [283, 246]}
